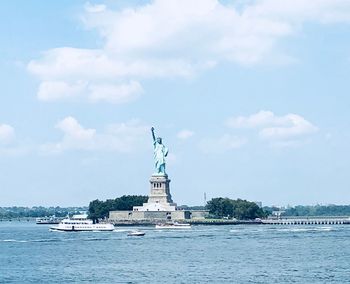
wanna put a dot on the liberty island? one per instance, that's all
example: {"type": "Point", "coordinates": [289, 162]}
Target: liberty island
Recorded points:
{"type": "Point", "coordinates": [160, 205]}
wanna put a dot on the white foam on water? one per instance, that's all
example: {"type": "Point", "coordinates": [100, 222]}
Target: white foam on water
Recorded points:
{"type": "Point", "coordinates": [55, 230]}
{"type": "Point", "coordinates": [14, 241]}
{"type": "Point", "coordinates": [120, 230]}
{"type": "Point", "coordinates": [327, 228]}
{"type": "Point", "coordinates": [316, 229]}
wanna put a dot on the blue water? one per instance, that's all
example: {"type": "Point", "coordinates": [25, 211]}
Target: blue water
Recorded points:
{"type": "Point", "coordinates": [29, 253]}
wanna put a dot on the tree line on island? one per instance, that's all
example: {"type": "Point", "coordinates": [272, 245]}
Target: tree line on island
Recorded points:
{"type": "Point", "coordinates": [100, 209]}
{"type": "Point", "coordinates": [311, 210]}
{"type": "Point", "coordinates": [218, 208]}
{"type": "Point", "coordinates": [240, 209]}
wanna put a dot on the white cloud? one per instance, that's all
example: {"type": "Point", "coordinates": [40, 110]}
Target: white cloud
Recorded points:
{"type": "Point", "coordinates": [111, 93]}
{"type": "Point", "coordinates": [60, 90]}
{"type": "Point", "coordinates": [222, 144]}
{"type": "Point", "coordinates": [116, 94]}
{"type": "Point", "coordinates": [125, 136]}
{"type": "Point", "coordinates": [299, 11]}
{"type": "Point", "coordinates": [292, 126]}
{"type": "Point", "coordinates": [195, 29]}
{"type": "Point", "coordinates": [7, 134]}
{"type": "Point", "coordinates": [95, 8]}
{"type": "Point", "coordinates": [275, 128]}
{"type": "Point", "coordinates": [73, 130]}
{"type": "Point", "coordinates": [185, 134]}
{"type": "Point", "coordinates": [175, 38]}
{"type": "Point", "coordinates": [120, 137]}
{"type": "Point", "coordinates": [101, 65]}
{"type": "Point", "coordinates": [9, 144]}
{"type": "Point", "coordinates": [258, 119]}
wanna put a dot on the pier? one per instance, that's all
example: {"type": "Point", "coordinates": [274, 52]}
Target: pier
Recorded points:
{"type": "Point", "coordinates": [308, 221]}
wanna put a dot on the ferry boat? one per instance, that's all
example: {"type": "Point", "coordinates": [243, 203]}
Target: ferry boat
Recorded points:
{"type": "Point", "coordinates": [79, 223]}
{"type": "Point", "coordinates": [174, 225]}
{"type": "Point", "coordinates": [48, 220]}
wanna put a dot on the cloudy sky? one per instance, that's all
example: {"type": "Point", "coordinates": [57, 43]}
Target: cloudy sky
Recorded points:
{"type": "Point", "coordinates": [250, 97]}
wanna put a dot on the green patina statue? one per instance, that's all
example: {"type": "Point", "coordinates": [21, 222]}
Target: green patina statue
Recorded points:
{"type": "Point", "coordinates": [160, 152]}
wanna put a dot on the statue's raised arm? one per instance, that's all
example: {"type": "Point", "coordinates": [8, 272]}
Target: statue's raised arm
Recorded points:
{"type": "Point", "coordinates": [153, 136]}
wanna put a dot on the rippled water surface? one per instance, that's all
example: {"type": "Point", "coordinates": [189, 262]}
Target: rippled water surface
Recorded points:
{"type": "Point", "coordinates": [30, 253]}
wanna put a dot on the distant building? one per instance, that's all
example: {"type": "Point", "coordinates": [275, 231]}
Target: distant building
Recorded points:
{"type": "Point", "coordinates": [278, 213]}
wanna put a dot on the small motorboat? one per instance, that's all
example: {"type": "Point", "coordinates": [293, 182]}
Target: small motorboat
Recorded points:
{"type": "Point", "coordinates": [136, 234]}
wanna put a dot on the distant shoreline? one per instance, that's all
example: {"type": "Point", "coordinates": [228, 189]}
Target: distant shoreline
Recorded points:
{"type": "Point", "coordinates": [23, 219]}
{"type": "Point", "coordinates": [306, 220]}
{"type": "Point", "coordinates": [345, 220]}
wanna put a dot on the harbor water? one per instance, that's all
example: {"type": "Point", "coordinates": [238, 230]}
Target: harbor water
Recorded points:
{"type": "Point", "coordinates": [30, 253]}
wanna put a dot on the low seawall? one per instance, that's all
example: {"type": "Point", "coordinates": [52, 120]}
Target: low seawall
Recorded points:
{"type": "Point", "coordinates": [286, 221]}
{"type": "Point", "coordinates": [192, 222]}
{"type": "Point", "coordinates": [308, 221]}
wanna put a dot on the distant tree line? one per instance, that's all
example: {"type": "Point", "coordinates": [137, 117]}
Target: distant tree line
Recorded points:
{"type": "Point", "coordinates": [239, 209]}
{"type": "Point", "coordinates": [218, 208]}
{"type": "Point", "coordinates": [37, 211]}
{"type": "Point", "coordinates": [186, 207]}
{"type": "Point", "coordinates": [317, 210]}
{"type": "Point", "coordinates": [100, 209]}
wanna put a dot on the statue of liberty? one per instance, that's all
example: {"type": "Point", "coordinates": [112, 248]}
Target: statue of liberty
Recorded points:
{"type": "Point", "coordinates": [160, 152]}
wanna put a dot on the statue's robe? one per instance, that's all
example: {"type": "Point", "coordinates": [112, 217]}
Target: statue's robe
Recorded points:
{"type": "Point", "coordinates": [160, 152]}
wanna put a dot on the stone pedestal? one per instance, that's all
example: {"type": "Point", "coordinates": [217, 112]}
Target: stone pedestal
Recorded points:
{"type": "Point", "coordinates": [160, 197]}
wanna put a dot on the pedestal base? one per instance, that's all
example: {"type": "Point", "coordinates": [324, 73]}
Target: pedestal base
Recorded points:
{"type": "Point", "coordinates": [160, 197]}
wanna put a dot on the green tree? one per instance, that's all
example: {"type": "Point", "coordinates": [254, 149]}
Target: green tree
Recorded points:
{"type": "Point", "coordinates": [220, 207]}
{"type": "Point", "coordinates": [240, 209]}
{"type": "Point", "coordinates": [100, 209]}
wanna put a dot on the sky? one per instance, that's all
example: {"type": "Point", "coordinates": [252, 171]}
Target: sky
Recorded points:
{"type": "Point", "coordinates": [251, 98]}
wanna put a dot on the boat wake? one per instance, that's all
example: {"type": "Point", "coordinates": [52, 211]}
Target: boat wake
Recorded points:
{"type": "Point", "coordinates": [120, 230]}
{"type": "Point", "coordinates": [14, 241]}
{"type": "Point", "coordinates": [316, 229]}
{"type": "Point", "coordinates": [55, 230]}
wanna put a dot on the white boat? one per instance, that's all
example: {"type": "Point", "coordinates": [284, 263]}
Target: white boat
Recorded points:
{"type": "Point", "coordinates": [48, 220]}
{"type": "Point", "coordinates": [136, 233]}
{"type": "Point", "coordinates": [174, 225]}
{"type": "Point", "coordinates": [80, 223]}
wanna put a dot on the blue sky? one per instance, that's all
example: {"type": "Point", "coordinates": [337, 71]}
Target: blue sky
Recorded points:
{"type": "Point", "coordinates": [251, 98]}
